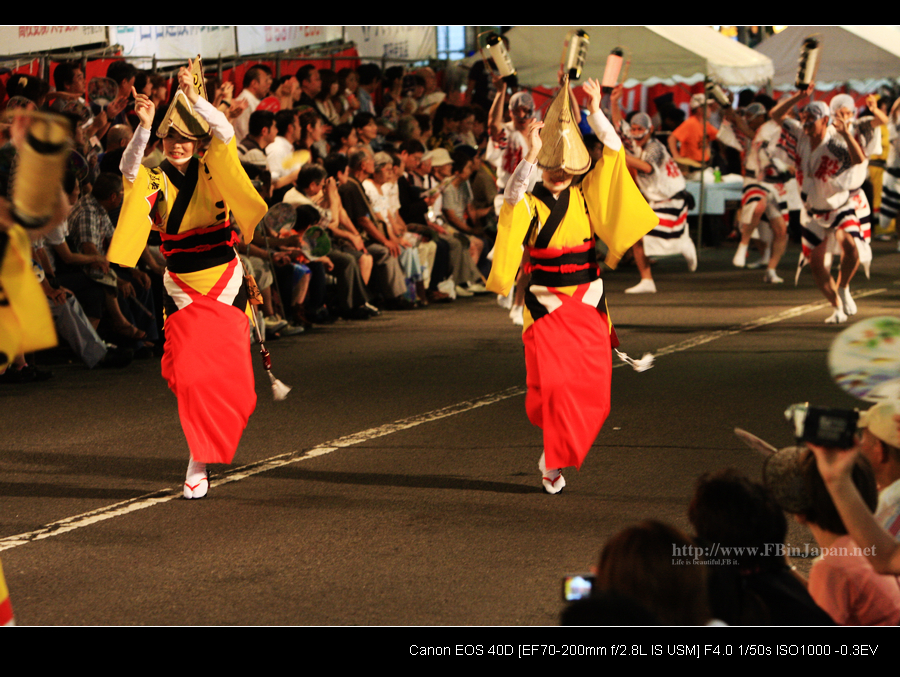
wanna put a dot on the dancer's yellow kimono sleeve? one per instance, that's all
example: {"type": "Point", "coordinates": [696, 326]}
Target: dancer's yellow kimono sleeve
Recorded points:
{"type": "Point", "coordinates": [243, 199]}
{"type": "Point", "coordinates": [620, 216]}
{"type": "Point", "coordinates": [511, 230]}
{"type": "Point", "coordinates": [133, 227]}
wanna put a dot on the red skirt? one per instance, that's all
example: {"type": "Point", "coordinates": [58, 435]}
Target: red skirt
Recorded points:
{"type": "Point", "coordinates": [568, 357]}
{"type": "Point", "coordinates": [207, 365]}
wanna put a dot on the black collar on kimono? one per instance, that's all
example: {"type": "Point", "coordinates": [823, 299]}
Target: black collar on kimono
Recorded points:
{"type": "Point", "coordinates": [558, 207]}
{"type": "Point", "coordinates": [185, 183]}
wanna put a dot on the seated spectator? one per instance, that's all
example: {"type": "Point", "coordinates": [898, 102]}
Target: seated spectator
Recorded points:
{"type": "Point", "coordinates": [366, 131]}
{"type": "Point", "coordinates": [459, 210]}
{"type": "Point", "coordinates": [262, 132]}
{"type": "Point", "coordinates": [388, 279]}
{"type": "Point", "coordinates": [376, 187]}
{"type": "Point", "coordinates": [327, 100]}
{"type": "Point", "coordinates": [369, 80]}
{"type": "Point", "coordinates": [90, 232]}
{"type": "Point", "coordinates": [344, 139]}
{"type": "Point", "coordinates": [348, 84]}
{"type": "Point", "coordinates": [282, 162]}
{"type": "Point", "coordinates": [256, 85]}
{"type": "Point", "coordinates": [352, 263]}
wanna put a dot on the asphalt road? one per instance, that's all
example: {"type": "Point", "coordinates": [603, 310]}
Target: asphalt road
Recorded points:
{"type": "Point", "coordinates": [397, 484]}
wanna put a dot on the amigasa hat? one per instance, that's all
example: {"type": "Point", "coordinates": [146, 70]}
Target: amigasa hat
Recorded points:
{"type": "Point", "coordinates": [563, 148]}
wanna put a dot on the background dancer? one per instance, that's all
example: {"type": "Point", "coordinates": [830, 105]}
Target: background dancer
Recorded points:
{"type": "Point", "coordinates": [207, 353]}
{"type": "Point", "coordinates": [567, 334]}
{"type": "Point", "coordinates": [824, 155]}
{"type": "Point", "coordinates": [662, 184]}
{"type": "Point", "coordinates": [764, 196]}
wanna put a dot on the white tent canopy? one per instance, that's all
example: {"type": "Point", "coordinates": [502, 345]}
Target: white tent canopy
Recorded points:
{"type": "Point", "coordinates": [657, 53]}
{"type": "Point", "coordinates": [848, 53]}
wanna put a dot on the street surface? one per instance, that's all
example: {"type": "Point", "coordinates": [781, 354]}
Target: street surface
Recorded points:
{"type": "Point", "coordinates": [397, 484]}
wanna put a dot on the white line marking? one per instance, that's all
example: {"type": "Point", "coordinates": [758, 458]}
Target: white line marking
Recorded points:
{"type": "Point", "coordinates": [243, 472]}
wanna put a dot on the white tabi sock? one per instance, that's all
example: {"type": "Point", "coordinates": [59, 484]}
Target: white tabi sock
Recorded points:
{"type": "Point", "coordinates": [196, 481]}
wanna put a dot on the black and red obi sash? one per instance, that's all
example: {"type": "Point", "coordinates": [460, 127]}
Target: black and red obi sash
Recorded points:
{"type": "Point", "coordinates": [558, 267]}
{"type": "Point", "coordinates": [199, 248]}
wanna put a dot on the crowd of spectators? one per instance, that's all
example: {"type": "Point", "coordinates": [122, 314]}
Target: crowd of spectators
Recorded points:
{"type": "Point", "coordinates": [738, 566]}
{"type": "Point", "coordinates": [371, 210]}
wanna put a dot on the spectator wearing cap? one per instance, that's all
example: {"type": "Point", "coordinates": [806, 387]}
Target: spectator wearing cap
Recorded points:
{"type": "Point", "coordinates": [879, 442]}
{"type": "Point", "coordinates": [464, 256]}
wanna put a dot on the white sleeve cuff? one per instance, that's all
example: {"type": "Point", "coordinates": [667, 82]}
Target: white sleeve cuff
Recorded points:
{"type": "Point", "coordinates": [130, 163]}
{"type": "Point", "coordinates": [517, 185]}
{"type": "Point", "coordinates": [605, 131]}
{"type": "Point", "coordinates": [218, 123]}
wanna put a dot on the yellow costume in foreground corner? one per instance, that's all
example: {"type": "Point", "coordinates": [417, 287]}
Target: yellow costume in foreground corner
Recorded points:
{"type": "Point", "coordinates": [25, 321]}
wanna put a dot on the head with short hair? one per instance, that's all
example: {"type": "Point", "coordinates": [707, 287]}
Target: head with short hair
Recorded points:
{"type": "Point", "coordinates": [309, 79]}
{"type": "Point", "coordinates": [732, 510]}
{"type": "Point", "coordinates": [258, 79]}
{"type": "Point", "coordinates": [307, 216]}
{"type": "Point", "coordinates": [369, 75]}
{"type": "Point", "coordinates": [335, 163]}
{"type": "Point", "coordinates": [260, 121]}
{"type": "Point", "coordinates": [67, 76]}
{"type": "Point", "coordinates": [366, 127]}
{"type": "Point", "coordinates": [283, 121]}
{"type": "Point", "coordinates": [121, 72]}
{"type": "Point", "coordinates": [344, 135]}
{"type": "Point", "coordinates": [107, 186]}
{"type": "Point", "coordinates": [309, 174]}
{"type": "Point", "coordinates": [357, 160]}
{"type": "Point", "coordinates": [118, 136]}
{"type": "Point", "coordinates": [638, 562]}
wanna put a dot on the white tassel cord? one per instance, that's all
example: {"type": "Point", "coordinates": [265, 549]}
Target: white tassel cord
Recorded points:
{"type": "Point", "coordinates": [643, 364]}
{"type": "Point", "coordinates": [279, 389]}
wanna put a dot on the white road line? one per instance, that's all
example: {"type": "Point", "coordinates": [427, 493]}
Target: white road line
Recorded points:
{"type": "Point", "coordinates": [245, 471]}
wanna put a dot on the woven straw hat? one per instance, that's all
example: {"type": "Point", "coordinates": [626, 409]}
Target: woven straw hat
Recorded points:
{"type": "Point", "coordinates": [563, 148]}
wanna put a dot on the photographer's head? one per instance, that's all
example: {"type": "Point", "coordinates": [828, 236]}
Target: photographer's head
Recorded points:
{"type": "Point", "coordinates": [814, 505]}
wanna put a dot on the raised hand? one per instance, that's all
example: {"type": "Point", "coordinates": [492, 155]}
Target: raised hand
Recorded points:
{"type": "Point", "coordinates": [186, 83]}
{"type": "Point", "coordinates": [144, 108]}
{"type": "Point", "coordinates": [533, 132]}
{"type": "Point", "coordinates": [592, 88]}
